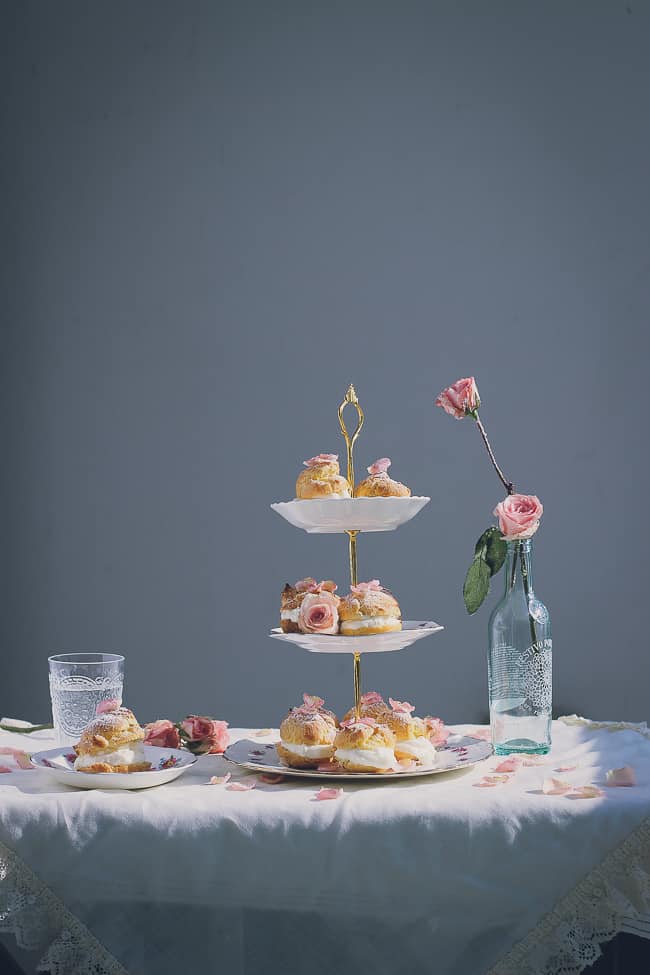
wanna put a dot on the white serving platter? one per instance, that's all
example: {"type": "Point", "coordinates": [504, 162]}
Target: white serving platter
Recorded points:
{"type": "Point", "coordinates": [166, 764]}
{"type": "Point", "coordinates": [322, 516]}
{"type": "Point", "coordinates": [460, 752]}
{"type": "Point", "coordinates": [411, 631]}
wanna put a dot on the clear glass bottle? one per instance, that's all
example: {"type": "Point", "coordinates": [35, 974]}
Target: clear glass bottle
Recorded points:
{"type": "Point", "coordinates": [519, 661]}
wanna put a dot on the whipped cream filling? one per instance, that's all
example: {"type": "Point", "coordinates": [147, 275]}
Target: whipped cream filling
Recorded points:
{"type": "Point", "coordinates": [131, 754]}
{"type": "Point", "coordinates": [307, 751]}
{"type": "Point", "coordinates": [290, 614]}
{"type": "Point", "coordinates": [418, 748]}
{"type": "Point", "coordinates": [381, 756]}
{"type": "Point", "coordinates": [355, 626]}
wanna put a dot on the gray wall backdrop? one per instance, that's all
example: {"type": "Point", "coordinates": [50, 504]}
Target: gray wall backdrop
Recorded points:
{"type": "Point", "coordinates": [218, 214]}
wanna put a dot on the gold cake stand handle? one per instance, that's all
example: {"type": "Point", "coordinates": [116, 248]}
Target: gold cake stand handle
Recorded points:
{"type": "Point", "coordinates": [350, 399]}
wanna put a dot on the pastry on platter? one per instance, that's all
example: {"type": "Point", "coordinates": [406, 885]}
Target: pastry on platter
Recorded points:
{"type": "Point", "coordinates": [371, 705]}
{"type": "Point", "coordinates": [379, 484]}
{"type": "Point", "coordinates": [365, 746]}
{"type": "Point", "coordinates": [310, 607]}
{"type": "Point", "coordinates": [112, 742]}
{"type": "Point", "coordinates": [412, 740]}
{"type": "Point", "coordinates": [322, 479]}
{"type": "Point", "coordinates": [369, 609]}
{"type": "Point", "coordinates": [307, 734]}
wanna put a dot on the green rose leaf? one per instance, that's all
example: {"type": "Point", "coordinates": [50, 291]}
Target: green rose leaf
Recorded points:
{"type": "Point", "coordinates": [492, 548]}
{"type": "Point", "coordinates": [477, 584]}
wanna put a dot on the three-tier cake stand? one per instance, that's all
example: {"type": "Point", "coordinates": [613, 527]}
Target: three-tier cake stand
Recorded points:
{"type": "Point", "coordinates": [352, 516]}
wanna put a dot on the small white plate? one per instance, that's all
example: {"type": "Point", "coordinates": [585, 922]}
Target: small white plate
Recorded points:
{"type": "Point", "coordinates": [166, 764]}
{"type": "Point", "coordinates": [324, 516]}
{"type": "Point", "coordinates": [461, 751]}
{"type": "Point", "coordinates": [411, 631]}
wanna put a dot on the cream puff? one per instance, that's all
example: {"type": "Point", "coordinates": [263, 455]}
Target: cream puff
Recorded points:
{"type": "Point", "coordinates": [365, 746]}
{"type": "Point", "coordinates": [322, 479]}
{"type": "Point", "coordinates": [307, 734]}
{"type": "Point", "coordinates": [412, 740]}
{"type": "Point", "coordinates": [371, 705]}
{"type": "Point", "coordinates": [310, 607]}
{"type": "Point", "coordinates": [379, 484]}
{"type": "Point", "coordinates": [112, 742]}
{"type": "Point", "coordinates": [369, 609]}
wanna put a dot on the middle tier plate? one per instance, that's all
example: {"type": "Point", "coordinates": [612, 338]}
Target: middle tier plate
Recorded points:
{"type": "Point", "coordinates": [411, 631]}
{"type": "Point", "coordinates": [324, 516]}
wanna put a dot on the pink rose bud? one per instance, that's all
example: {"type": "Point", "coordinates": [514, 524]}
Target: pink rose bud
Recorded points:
{"type": "Point", "coordinates": [162, 733]}
{"type": "Point", "coordinates": [110, 704]}
{"type": "Point", "coordinates": [461, 399]}
{"type": "Point", "coordinates": [321, 459]}
{"type": "Point", "coordinates": [319, 613]}
{"type": "Point", "coordinates": [519, 516]}
{"type": "Point", "coordinates": [380, 466]}
{"type": "Point", "coordinates": [621, 776]}
{"type": "Point", "coordinates": [205, 736]}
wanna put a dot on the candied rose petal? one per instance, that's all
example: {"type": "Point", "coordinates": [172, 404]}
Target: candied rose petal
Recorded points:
{"type": "Point", "coordinates": [380, 466]}
{"type": "Point", "coordinates": [240, 786]}
{"type": "Point", "coordinates": [372, 697]}
{"type": "Point", "coordinates": [329, 794]}
{"type": "Point", "coordinates": [624, 776]}
{"type": "Point", "coordinates": [373, 586]}
{"type": "Point", "coordinates": [401, 707]}
{"type": "Point", "coordinates": [221, 779]}
{"type": "Point", "coordinates": [508, 765]}
{"type": "Point", "coordinates": [320, 459]}
{"type": "Point", "coordinates": [3, 768]}
{"type": "Point", "coordinates": [585, 792]}
{"type": "Point", "coordinates": [555, 787]}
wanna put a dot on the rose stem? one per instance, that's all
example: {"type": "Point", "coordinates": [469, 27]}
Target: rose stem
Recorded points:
{"type": "Point", "coordinates": [524, 573]}
{"type": "Point", "coordinates": [508, 485]}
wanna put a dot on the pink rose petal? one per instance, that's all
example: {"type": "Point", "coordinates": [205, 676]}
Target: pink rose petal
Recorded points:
{"type": "Point", "coordinates": [621, 776]}
{"type": "Point", "coordinates": [534, 760]}
{"type": "Point", "coordinates": [3, 768]}
{"type": "Point", "coordinates": [361, 587]}
{"type": "Point", "coordinates": [110, 704]}
{"type": "Point", "coordinates": [220, 779]}
{"type": "Point", "coordinates": [271, 778]}
{"type": "Point", "coordinates": [380, 466]}
{"type": "Point", "coordinates": [20, 757]}
{"type": "Point", "coordinates": [555, 787]}
{"type": "Point", "coordinates": [509, 765]}
{"type": "Point", "coordinates": [240, 786]}
{"type": "Point", "coordinates": [263, 732]}
{"type": "Point", "coordinates": [401, 707]}
{"type": "Point", "coordinates": [585, 792]}
{"type": "Point", "coordinates": [329, 794]}
{"type": "Point", "coordinates": [491, 780]}
{"type": "Point", "coordinates": [372, 697]}
{"type": "Point", "coordinates": [565, 768]}
{"type": "Point", "coordinates": [321, 459]}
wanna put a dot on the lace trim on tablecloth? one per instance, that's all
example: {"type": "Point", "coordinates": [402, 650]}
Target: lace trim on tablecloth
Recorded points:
{"type": "Point", "coordinates": [568, 938]}
{"type": "Point", "coordinates": [39, 921]}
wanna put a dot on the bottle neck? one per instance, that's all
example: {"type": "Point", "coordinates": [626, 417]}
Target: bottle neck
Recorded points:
{"type": "Point", "coordinates": [519, 567]}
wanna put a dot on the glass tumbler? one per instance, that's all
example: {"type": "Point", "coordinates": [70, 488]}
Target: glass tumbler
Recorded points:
{"type": "Point", "coordinates": [79, 682]}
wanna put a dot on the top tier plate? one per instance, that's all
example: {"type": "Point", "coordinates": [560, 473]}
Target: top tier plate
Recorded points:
{"type": "Point", "coordinates": [322, 516]}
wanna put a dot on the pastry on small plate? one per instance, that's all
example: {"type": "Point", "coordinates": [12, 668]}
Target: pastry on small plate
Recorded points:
{"type": "Point", "coordinates": [307, 734]}
{"type": "Point", "coordinates": [412, 742]}
{"type": "Point", "coordinates": [365, 746]}
{"type": "Point", "coordinates": [322, 479]}
{"type": "Point", "coordinates": [112, 742]}
{"type": "Point", "coordinates": [369, 609]}
{"type": "Point", "coordinates": [371, 705]}
{"type": "Point", "coordinates": [379, 484]}
{"type": "Point", "coordinates": [310, 607]}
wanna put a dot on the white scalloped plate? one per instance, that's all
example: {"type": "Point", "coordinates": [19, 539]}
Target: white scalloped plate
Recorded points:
{"type": "Point", "coordinates": [166, 764]}
{"type": "Point", "coordinates": [324, 516]}
{"type": "Point", "coordinates": [460, 752]}
{"type": "Point", "coordinates": [411, 631]}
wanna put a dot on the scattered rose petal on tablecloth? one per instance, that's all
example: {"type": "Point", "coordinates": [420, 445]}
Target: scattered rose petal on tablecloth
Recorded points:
{"type": "Point", "coordinates": [508, 765]}
{"type": "Point", "coordinates": [621, 776]}
{"type": "Point", "coordinates": [221, 779]}
{"type": "Point", "coordinates": [484, 733]}
{"type": "Point", "coordinates": [488, 781]}
{"type": "Point", "coordinates": [555, 787]}
{"type": "Point", "coordinates": [240, 786]}
{"type": "Point", "coordinates": [565, 768]}
{"type": "Point", "coordinates": [263, 732]}
{"type": "Point", "coordinates": [585, 792]}
{"type": "Point", "coordinates": [271, 778]}
{"type": "Point", "coordinates": [534, 760]}
{"type": "Point", "coordinates": [3, 768]}
{"type": "Point", "coordinates": [20, 757]}
{"type": "Point", "coordinates": [329, 794]}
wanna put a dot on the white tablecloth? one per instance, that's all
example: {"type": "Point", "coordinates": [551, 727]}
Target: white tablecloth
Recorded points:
{"type": "Point", "coordinates": [415, 876]}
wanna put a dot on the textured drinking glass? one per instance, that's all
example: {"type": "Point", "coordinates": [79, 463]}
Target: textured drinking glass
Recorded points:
{"type": "Point", "coordinates": [79, 682]}
{"type": "Point", "coordinates": [519, 661]}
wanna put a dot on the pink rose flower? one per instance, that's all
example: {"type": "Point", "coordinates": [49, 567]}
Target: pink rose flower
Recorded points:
{"type": "Point", "coordinates": [110, 704]}
{"type": "Point", "coordinates": [461, 399]}
{"type": "Point", "coordinates": [319, 613]}
{"type": "Point", "coordinates": [321, 459]}
{"type": "Point", "coordinates": [519, 516]}
{"type": "Point", "coordinates": [162, 733]}
{"type": "Point", "coordinates": [380, 466]}
{"type": "Point", "coordinates": [205, 736]}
